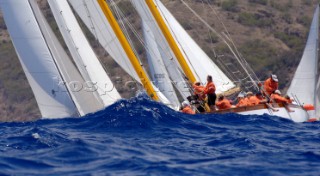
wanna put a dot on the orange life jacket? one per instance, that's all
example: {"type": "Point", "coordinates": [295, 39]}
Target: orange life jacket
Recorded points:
{"type": "Point", "coordinates": [253, 100]}
{"type": "Point", "coordinates": [242, 102]}
{"type": "Point", "coordinates": [278, 98]}
{"type": "Point", "coordinates": [210, 88]}
{"type": "Point", "coordinates": [270, 86]}
{"type": "Point", "coordinates": [223, 104]}
{"type": "Point", "coordinates": [188, 110]}
{"type": "Point", "coordinates": [199, 90]}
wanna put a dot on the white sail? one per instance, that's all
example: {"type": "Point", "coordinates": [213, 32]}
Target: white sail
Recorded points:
{"type": "Point", "coordinates": [171, 64]}
{"type": "Point", "coordinates": [85, 101]}
{"type": "Point", "coordinates": [158, 71]}
{"type": "Point", "coordinates": [36, 60]}
{"type": "Point", "coordinates": [197, 59]}
{"type": "Point", "coordinates": [85, 58]}
{"type": "Point", "coordinates": [93, 17]}
{"type": "Point", "coordinates": [303, 84]}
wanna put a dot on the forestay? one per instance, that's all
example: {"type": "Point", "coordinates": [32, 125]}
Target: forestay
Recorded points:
{"type": "Point", "coordinates": [84, 100]}
{"type": "Point", "coordinates": [303, 84]}
{"type": "Point", "coordinates": [36, 60]}
{"type": "Point", "coordinates": [84, 57]}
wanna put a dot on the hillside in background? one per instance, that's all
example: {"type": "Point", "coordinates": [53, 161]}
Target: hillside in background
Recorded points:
{"type": "Point", "coordinates": [270, 34]}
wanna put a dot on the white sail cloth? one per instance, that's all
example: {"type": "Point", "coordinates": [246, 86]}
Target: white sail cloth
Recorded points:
{"type": "Point", "coordinates": [93, 17]}
{"type": "Point", "coordinates": [91, 14]}
{"type": "Point", "coordinates": [84, 57]}
{"type": "Point", "coordinates": [36, 60]}
{"type": "Point", "coordinates": [84, 100]}
{"type": "Point", "coordinates": [303, 84]}
{"type": "Point", "coordinates": [198, 61]}
{"type": "Point", "coordinates": [158, 71]}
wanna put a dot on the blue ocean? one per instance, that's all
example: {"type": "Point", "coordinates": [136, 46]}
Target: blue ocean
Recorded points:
{"type": "Point", "coordinates": [142, 137]}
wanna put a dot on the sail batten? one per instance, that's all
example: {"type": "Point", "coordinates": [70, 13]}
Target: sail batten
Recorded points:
{"type": "Point", "coordinates": [37, 62]}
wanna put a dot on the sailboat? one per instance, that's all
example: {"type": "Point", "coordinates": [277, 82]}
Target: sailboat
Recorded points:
{"type": "Point", "coordinates": [175, 58]}
{"type": "Point", "coordinates": [168, 29]}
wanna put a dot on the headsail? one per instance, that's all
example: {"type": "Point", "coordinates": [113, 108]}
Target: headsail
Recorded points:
{"type": "Point", "coordinates": [171, 64]}
{"type": "Point", "coordinates": [303, 84]}
{"type": "Point", "coordinates": [158, 71]}
{"type": "Point", "coordinates": [85, 58]}
{"type": "Point", "coordinates": [85, 101]}
{"type": "Point", "coordinates": [93, 17]}
{"type": "Point", "coordinates": [196, 57]}
{"type": "Point", "coordinates": [36, 60]}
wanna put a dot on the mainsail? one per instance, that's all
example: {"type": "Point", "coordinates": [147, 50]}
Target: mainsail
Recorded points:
{"type": "Point", "coordinates": [85, 101]}
{"type": "Point", "coordinates": [84, 57]}
{"type": "Point", "coordinates": [303, 85]}
{"type": "Point", "coordinates": [158, 71]}
{"type": "Point", "coordinates": [36, 60]}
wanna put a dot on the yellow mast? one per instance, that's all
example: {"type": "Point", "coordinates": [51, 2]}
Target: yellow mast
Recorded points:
{"type": "Point", "coordinates": [172, 43]}
{"type": "Point", "coordinates": [127, 48]}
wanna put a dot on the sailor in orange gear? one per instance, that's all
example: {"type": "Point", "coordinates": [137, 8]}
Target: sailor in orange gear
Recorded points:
{"type": "Point", "coordinates": [187, 108]}
{"type": "Point", "coordinates": [271, 85]}
{"type": "Point", "coordinates": [241, 101]}
{"type": "Point", "coordinates": [252, 100]}
{"type": "Point", "coordinates": [223, 103]}
{"type": "Point", "coordinates": [199, 90]}
{"type": "Point", "coordinates": [276, 97]}
{"type": "Point", "coordinates": [210, 91]}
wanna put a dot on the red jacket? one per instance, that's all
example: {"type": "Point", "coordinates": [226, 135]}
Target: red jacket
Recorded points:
{"type": "Point", "coordinates": [270, 86]}
{"type": "Point", "coordinates": [223, 104]}
{"type": "Point", "coordinates": [210, 88]}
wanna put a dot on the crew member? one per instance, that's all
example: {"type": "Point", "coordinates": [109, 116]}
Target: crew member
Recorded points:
{"type": "Point", "coordinates": [199, 91]}
{"type": "Point", "coordinates": [252, 100]}
{"type": "Point", "coordinates": [187, 108]}
{"type": "Point", "coordinates": [210, 91]}
{"type": "Point", "coordinates": [223, 103]}
{"type": "Point", "coordinates": [271, 85]}
{"type": "Point", "coordinates": [276, 97]}
{"type": "Point", "coordinates": [241, 101]}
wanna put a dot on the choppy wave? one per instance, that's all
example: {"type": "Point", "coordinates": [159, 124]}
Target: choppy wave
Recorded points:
{"type": "Point", "coordinates": [142, 137]}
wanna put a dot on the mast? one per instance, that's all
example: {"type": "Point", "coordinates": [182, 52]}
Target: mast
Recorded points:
{"type": "Point", "coordinates": [172, 43]}
{"type": "Point", "coordinates": [128, 50]}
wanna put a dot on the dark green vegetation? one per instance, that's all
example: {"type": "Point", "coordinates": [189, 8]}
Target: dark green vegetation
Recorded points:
{"type": "Point", "coordinates": [270, 34]}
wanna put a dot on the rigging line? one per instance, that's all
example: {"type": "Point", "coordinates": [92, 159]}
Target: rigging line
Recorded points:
{"type": "Point", "coordinates": [126, 33]}
{"type": "Point", "coordinates": [112, 39]}
{"type": "Point", "coordinates": [228, 36]}
{"type": "Point", "coordinates": [175, 37]}
{"type": "Point", "coordinates": [221, 75]}
{"type": "Point", "coordinates": [120, 13]}
{"type": "Point", "coordinates": [172, 62]}
{"type": "Point", "coordinates": [230, 48]}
